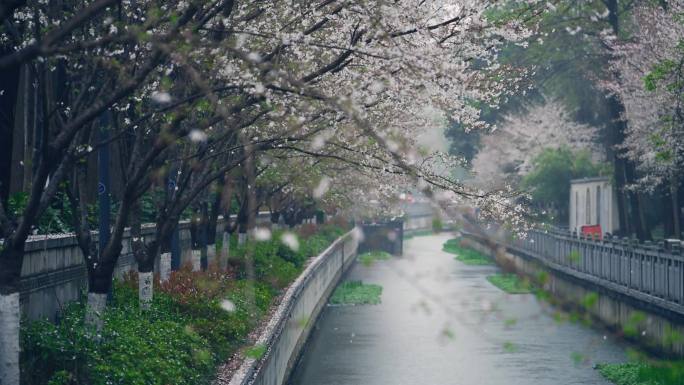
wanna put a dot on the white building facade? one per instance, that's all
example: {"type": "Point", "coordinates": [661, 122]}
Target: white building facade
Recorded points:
{"type": "Point", "coordinates": [593, 202]}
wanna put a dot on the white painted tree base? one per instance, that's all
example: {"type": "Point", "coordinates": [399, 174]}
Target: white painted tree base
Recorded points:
{"type": "Point", "coordinates": [95, 308]}
{"type": "Point", "coordinates": [242, 239]}
{"type": "Point", "coordinates": [196, 260]}
{"type": "Point", "coordinates": [9, 339]}
{"type": "Point", "coordinates": [145, 289]}
{"type": "Point", "coordinates": [164, 266]}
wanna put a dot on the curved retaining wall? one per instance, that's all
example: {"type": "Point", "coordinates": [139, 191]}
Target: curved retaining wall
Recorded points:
{"type": "Point", "coordinates": [288, 329]}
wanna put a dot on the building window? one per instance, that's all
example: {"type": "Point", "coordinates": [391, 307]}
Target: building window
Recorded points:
{"type": "Point", "coordinates": [588, 212]}
{"type": "Point", "coordinates": [598, 205]}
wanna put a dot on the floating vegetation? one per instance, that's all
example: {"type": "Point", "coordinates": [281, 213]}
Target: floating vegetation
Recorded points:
{"type": "Point", "coordinates": [510, 283]}
{"type": "Point", "coordinates": [370, 257]}
{"type": "Point", "coordinates": [510, 347]}
{"type": "Point", "coordinates": [418, 233]}
{"type": "Point", "coordinates": [356, 293]}
{"type": "Point", "coordinates": [465, 255]}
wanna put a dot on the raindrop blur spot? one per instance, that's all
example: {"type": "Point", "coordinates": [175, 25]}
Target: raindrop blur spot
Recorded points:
{"type": "Point", "coordinates": [262, 234]}
{"type": "Point", "coordinates": [290, 240]}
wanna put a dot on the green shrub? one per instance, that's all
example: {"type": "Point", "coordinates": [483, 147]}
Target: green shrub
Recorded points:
{"type": "Point", "coordinates": [226, 330]}
{"type": "Point", "coordinates": [296, 257]}
{"type": "Point", "coordinates": [134, 347]}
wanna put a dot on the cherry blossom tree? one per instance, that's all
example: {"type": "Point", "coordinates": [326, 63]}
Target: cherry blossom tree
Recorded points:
{"type": "Point", "coordinates": [507, 153]}
{"type": "Point", "coordinates": [650, 85]}
{"type": "Point", "coordinates": [350, 77]}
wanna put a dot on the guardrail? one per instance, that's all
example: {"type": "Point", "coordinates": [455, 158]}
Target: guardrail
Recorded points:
{"type": "Point", "coordinates": [650, 272]}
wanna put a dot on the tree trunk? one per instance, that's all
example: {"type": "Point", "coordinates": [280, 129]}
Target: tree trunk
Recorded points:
{"type": "Point", "coordinates": [100, 275]}
{"type": "Point", "coordinates": [635, 202]}
{"type": "Point", "coordinates": [143, 258]}
{"type": "Point", "coordinates": [11, 260]}
{"type": "Point", "coordinates": [619, 176]}
{"type": "Point", "coordinates": [196, 260]}
{"type": "Point", "coordinates": [145, 289]}
{"type": "Point", "coordinates": [166, 228]}
{"type": "Point", "coordinates": [95, 307]}
{"type": "Point", "coordinates": [225, 205]}
{"type": "Point", "coordinates": [667, 213]}
{"type": "Point", "coordinates": [203, 236]}
{"type": "Point", "coordinates": [215, 210]}
{"type": "Point", "coordinates": [250, 198]}
{"type": "Point", "coordinates": [195, 240]}
{"type": "Point", "coordinates": [10, 81]}
{"type": "Point", "coordinates": [617, 135]}
{"type": "Point", "coordinates": [9, 329]}
{"type": "Point", "coordinates": [225, 252]}
{"type": "Point", "coordinates": [164, 267]}
{"type": "Point", "coordinates": [242, 222]}
{"type": "Point", "coordinates": [674, 195]}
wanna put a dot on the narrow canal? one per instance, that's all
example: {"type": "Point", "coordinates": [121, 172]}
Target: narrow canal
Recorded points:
{"type": "Point", "coordinates": [441, 322]}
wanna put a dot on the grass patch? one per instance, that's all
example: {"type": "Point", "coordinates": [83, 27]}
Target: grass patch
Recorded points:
{"type": "Point", "coordinates": [255, 352]}
{"type": "Point", "coordinates": [510, 283]}
{"type": "Point", "coordinates": [356, 293]}
{"type": "Point", "coordinates": [370, 257]}
{"type": "Point", "coordinates": [465, 255]}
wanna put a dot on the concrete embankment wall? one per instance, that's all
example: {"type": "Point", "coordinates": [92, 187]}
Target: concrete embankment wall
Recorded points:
{"type": "Point", "coordinates": [652, 325]}
{"type": "Point", "coordinates": [289, 328]}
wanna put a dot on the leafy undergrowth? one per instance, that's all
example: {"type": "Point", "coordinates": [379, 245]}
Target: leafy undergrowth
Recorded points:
{"type": "Point", "coordinates": [510, 283]}
{"type": "Point", "coordinates": [371, 257]}
{"type": "Point", "coordinates": [644, 373]}
{"type": "Point", "coordinates": [465, 254]}
{"type": "Point", "coordinates": [356, 293]}
{"type": "Point", "coordinates": [255, 352]}
{"type": "Point", "coordinates": [197, 321]}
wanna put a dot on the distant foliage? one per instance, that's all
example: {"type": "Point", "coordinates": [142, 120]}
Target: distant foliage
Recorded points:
{"type": "Point", "coordinates": [437, 225]}
{"type": "Point", "coordinates": [548, 181]}
{"type": "Point", "coordinates": [508, 153]}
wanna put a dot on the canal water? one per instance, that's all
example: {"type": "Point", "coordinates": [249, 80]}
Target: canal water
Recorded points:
{"type": "Point", "coordinates": [441, 322]}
